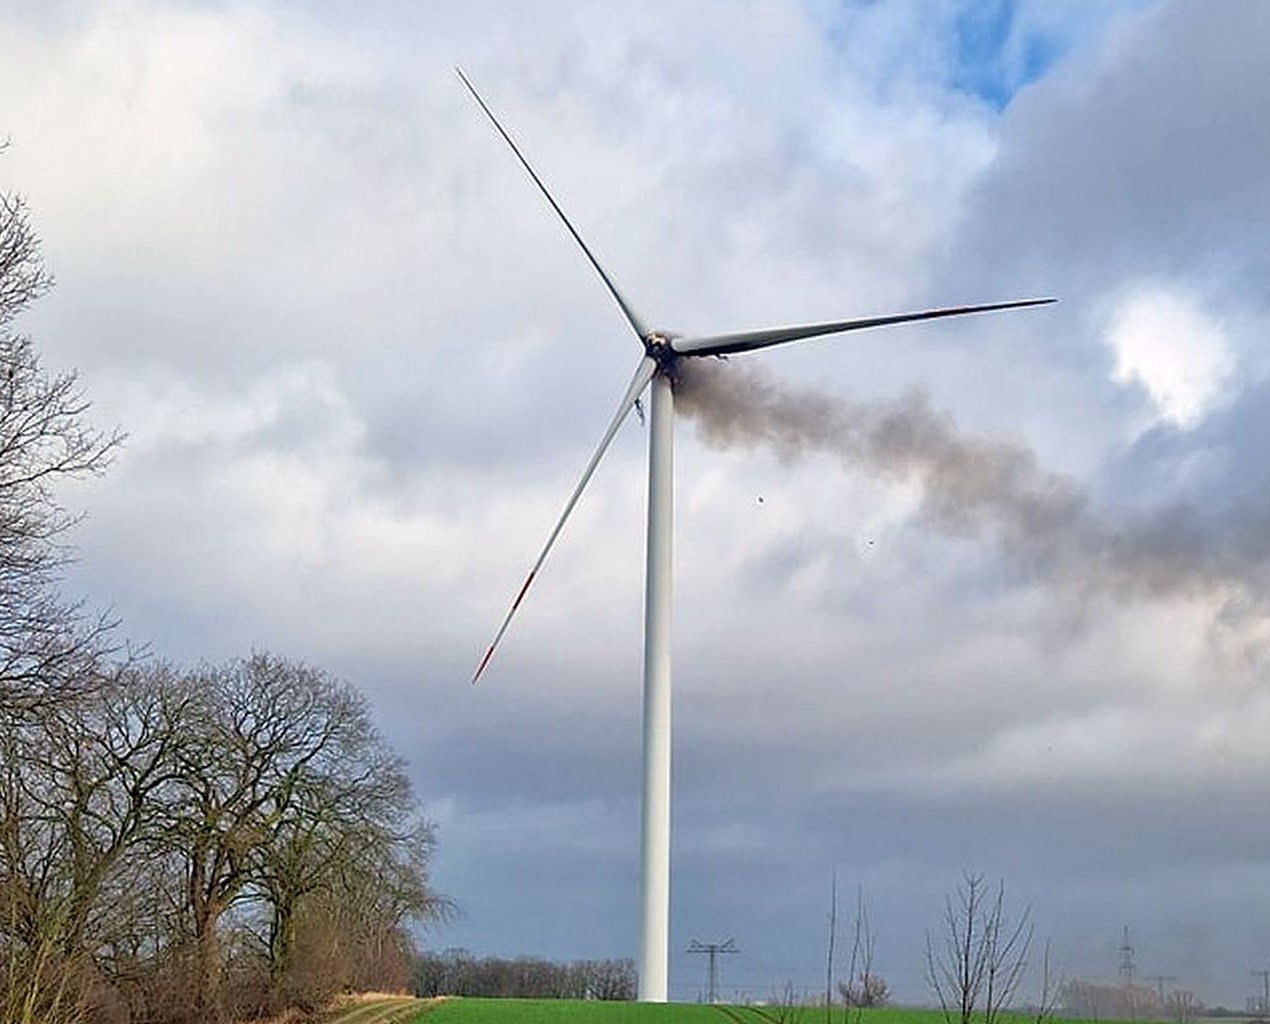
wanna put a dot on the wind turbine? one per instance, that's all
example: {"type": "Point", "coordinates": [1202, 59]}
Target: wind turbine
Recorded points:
{"type": "Point", "coordinates": [662, 351]}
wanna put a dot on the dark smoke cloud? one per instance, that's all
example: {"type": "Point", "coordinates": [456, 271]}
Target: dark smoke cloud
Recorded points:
{"type": "Point", "coordinates": [1044, 522]}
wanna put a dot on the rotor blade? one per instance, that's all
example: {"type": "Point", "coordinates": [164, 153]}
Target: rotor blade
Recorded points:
{"type": "Point", "coordinates": [643, 374]}
{"type": "Point", "coordinates": [640, 328]}
{"type": "Point", "coordinates": [723, 344]}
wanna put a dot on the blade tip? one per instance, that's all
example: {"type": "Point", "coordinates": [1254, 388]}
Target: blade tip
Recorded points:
{"type": "Point", "coordinates": [481, 667]}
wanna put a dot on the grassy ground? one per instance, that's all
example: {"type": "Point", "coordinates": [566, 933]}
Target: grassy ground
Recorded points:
{"type": "Point", "coordinates": [551, 1011]}
{"type": "Point", "coordinates": [403, 1010]}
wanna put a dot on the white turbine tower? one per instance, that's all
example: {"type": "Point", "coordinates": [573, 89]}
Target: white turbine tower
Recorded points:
{"type": "Point", "coordinates": [662, 350]}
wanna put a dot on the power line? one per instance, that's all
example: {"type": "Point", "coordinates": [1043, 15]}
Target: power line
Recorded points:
{"type": "Point", "coordinates": [712, 950]}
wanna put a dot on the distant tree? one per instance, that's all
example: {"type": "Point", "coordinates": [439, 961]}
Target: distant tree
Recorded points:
{"type": "Point", "coordinates": [868, 991]}
{"type": "Point", "coordinates": [976, 966]}
{"type": "Point", "coordinates": [457, 972]}
{"type": "Point", "coordinates": [609, 980]}
{"type": "Point", "coordinates": [1182, 1006]}
{"type": "Point", "coordinates": [1091, 999]}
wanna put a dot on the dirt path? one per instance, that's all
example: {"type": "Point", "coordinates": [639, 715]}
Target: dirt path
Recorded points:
{"type": "Point", "coordinates": [380, 1011]}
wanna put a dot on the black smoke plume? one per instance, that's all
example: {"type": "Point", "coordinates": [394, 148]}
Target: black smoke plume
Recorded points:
{"type": "Point", "coordinates": [1043, 522]}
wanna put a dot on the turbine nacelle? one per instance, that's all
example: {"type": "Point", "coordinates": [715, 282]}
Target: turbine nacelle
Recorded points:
{"type": "Point", "coordinates": [660, 347]}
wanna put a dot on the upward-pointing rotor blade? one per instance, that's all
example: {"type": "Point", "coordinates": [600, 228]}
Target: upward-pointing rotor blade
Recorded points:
{"type": "Point", "coordinates": [724, 344]}
{"type": "Point", "coordinates": [643, 374]}
{"type": "Point", "coordinates": [640, 328]}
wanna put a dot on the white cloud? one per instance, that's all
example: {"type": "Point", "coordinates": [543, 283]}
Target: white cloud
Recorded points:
{"type": "Point", "coordinates": [1168, 344]}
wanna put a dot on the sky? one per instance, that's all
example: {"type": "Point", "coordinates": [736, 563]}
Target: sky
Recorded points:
{"type": "Point", "coordinates": [360, 366]}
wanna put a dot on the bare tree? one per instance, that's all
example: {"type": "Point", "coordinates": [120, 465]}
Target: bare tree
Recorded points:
{"type": "Point", "coordinates": [344, 815]}
{"type": "Point", "coordinates": [106, 758]}
{"type": "Point", "coordinates": [23, 277]}
{"type": "Point", "coordinates": [286, 799]}
{"type": "Point", "coordinates": [247, 730]}
{"type": "Point", "coordinates": [863, 988]}
{"type": "Point", "coordinates": [1051, 987]}
{"type": "Point", "coordinates": [47, 645]}
{"type": "Point", "coordinates": [77, 790]}
{"type": "Point", "coordinates": [48, 649]}
{"type": "Point", "coordinates": [977, 965]}
{"type": "Point", "coordinates": [833, 938]}
{"type": "Point", "coordinates": [170, 827]}
{"type": "Point", "coordinates": [348, 929]}
{"type": "Point", "coordinates": [785, 1006]}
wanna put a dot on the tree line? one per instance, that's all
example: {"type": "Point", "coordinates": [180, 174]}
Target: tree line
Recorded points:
{"type": "Point", "coordinates": [170, 830]}
{"type": "Point", "coordinates": [175, 844]}
{"type": "Point", "coordinates": [455, 972]}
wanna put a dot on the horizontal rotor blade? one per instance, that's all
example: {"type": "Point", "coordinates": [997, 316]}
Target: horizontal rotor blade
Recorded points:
{"type": "Point", "coordinates": [643, 374]}
{"type": "Point", "coordinates": [745, 341]}
{"type": "Point", "coordinates": [632, 318]}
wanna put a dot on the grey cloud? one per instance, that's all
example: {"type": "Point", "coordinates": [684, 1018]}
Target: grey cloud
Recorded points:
{"type": "Point", "coordinates": [1140, 157]}
{"type": "Point", "coordinates": [834, 706]}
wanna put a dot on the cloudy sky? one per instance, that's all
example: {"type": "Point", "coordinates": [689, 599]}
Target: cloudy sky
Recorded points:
{"type": "Point", "coordinates": [360, 366]}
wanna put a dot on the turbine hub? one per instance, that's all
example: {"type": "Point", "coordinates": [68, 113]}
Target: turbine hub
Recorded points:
{"type": "Point", "coordinates": [657, 346]}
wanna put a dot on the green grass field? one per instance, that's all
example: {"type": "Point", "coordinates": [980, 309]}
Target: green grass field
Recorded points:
{"type": "Point", "coordinates": [551, 1011]}
{"type": "Point", "coordinates": [405, 1010]}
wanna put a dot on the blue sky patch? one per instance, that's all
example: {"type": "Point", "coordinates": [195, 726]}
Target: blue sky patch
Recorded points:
{"type": "Point", "coordinates": [991, 59]}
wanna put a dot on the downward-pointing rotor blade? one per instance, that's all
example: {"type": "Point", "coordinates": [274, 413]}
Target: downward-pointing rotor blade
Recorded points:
{"type": "Point", "coordinates": [643, 374]}
{"type": "Point", "coordinates": [723, 344]}
{"type": "Point", "coordinates": [640, 328]}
